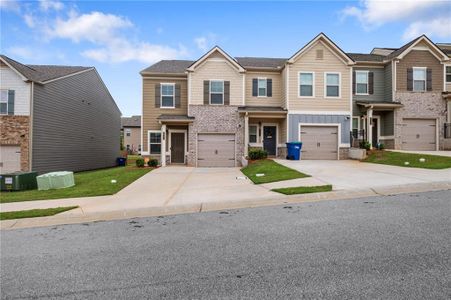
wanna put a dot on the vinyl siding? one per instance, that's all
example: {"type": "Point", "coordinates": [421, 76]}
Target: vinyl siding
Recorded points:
{"type": "Point", "coordinates": [419, 58]}
{"type": "Point", "coordinates": [134, 140]}
{"type": "Point", "coordinates": [281, 124]}
{"type": "Point", "coordinates": [284, 87]}
{"type": "Point", "coordinates": [10, 80]}
{"type": "Point", "coordinates": [388, 82]}
{"type": "Point", "coordinates": [330, 63]}
{"type": "Point", "coordinates": [448, 87]}
{"type": "Point", "coordinates": [379, 86]}
{"type": "Point", "coordinates": [76, 125]}
{"type": "Point", "coordinates": [275, 100]}
{"type": "Point", "coordinates": [151, 113]}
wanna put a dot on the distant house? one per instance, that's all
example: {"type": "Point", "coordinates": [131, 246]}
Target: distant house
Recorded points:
{"type": "Point", "coordinates": [55, 118]}
{"type": "Point", "coordinates": [131, 131]}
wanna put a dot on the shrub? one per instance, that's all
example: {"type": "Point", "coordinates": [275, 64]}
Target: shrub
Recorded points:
{"type": "Point", "coordinates": [152, 162]}
{"type": "Point", "coordinates": [380, 146]}
{"type": "Point", "coordinates": [365, 145]}
{"type": "Point", "coordinates": [140, 162]}
{"type": "Point", "coordinates": [255, 154]}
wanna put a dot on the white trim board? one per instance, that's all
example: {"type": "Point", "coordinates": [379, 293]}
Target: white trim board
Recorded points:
{"type": "Point", "coordinates": [319, 112]}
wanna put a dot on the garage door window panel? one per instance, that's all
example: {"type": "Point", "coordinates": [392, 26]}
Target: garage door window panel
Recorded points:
{"type": "Point", "coordinates": [332, 85]}
{"type": "Point", "coordinates": [216, 92]}
{"type": "Point", "coordinates": [155, 142]}
{"type": "Point", "coordinates": [419, 79]}
{"type": "Point", "coordinates": [306, 84]}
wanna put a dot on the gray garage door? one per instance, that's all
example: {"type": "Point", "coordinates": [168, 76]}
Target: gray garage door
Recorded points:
{"type": "Point", "coordinates": [9, 159]}
{"type": "Point", "coordinates": [216, 150]}
{"type": "Point", "coordinates": [418, 134]}
{"type": "Point", "coordinates": [319, 142]}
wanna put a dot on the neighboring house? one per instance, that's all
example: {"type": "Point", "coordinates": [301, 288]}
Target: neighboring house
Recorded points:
{"type": "Point", "coordinates": [131, 132]}
{"type": "Point", "coordinates": [211, 111]}
{"type": "Point", "coordinates": [55, 118]}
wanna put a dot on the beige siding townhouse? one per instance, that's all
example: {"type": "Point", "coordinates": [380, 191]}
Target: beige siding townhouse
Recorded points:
{"type": "Point", "coordinates": [131, 134]}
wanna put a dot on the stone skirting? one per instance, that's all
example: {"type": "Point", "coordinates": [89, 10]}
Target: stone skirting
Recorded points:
{"type": "Point", "coordinates": [15, 130]}
{"type": "Point", "coordinates": [343, 153]}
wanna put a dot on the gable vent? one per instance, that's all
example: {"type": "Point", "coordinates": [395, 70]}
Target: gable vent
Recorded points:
{"type": "Point", "coordinates": [319, 54]}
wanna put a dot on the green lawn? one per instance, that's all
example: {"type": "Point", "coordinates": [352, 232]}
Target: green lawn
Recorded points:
{"type": "Point", "coordinates": [89, 183]}
{"type": "Point", "coordinates": [398, 159]}
{"type": "Point", "coordinates": [272, 170]}
{"type": "Point", "coordinates": [304, 189]}
{"type": "Point", "coordinates": [33, 213]}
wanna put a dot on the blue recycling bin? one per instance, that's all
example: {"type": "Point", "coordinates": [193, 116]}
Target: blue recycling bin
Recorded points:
{"type": "Point", "coordinates": [294, 150]}
{"type": "Point", "coordinates": [121, 161]}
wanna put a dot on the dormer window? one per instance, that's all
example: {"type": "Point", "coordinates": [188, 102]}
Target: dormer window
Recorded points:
{"type": "Point", "coordinates": [217, 92]}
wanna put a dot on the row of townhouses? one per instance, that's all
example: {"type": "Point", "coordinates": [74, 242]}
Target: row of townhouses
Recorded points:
{"type": "Point", "coordinates": [211, 111]}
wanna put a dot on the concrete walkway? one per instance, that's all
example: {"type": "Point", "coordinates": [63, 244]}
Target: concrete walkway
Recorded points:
{"type": "Point", "coordinates": [438, 153]}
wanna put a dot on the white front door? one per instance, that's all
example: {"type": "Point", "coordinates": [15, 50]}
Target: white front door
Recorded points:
{"type": "Point", "coordinates": [9, 159]}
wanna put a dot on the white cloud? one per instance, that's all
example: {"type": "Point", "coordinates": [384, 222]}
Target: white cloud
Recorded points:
{"type": "Point", "coordinates": [420, 13]}
{"type": "Point", "coordinates": [440, 27]}
{"type": "Point", "coordinates": [22, 52]}
{"type": "Point", "coordinates": [29, 20]}
{"type": "Point", "coordinates": [10, 5]}
{"type": "Point", "coordinates": [47, 5]}
{"type": "Point", "coordinates": [204, 43]}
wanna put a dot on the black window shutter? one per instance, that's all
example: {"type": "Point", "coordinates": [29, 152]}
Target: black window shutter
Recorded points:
{"type": "Point", "coordinates": [254, 87]}
{"type": "Point", "coordinates": [429, 79]}
{"type": "Point", "coordinates": [354, 83]}
{"type": "Point", "coordinates": [206, 92]}
{"type": "Point", "coordinates": [409, 79]}
{"type": "Point", "coordinates": [370, 83]}
{"type": "Point", "coordinates": [11, 94]}
{"type": "Point", "coordinates": [157, 94]}
{"type": "Point", "coordinates": [269, 87]}
{"type": "Point", "coordinates": [226, 92]}
{"type": "Point", "coordinates": [177, 95]}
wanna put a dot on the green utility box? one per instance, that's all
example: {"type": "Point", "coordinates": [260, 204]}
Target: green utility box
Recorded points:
{"type": "Point", "coordinates": [18, 181]}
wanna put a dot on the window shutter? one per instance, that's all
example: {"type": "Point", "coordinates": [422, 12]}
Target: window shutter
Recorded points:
{"type": "Point", "coordinates": [254, 87]}
{"type": "Point", "coordinates": [206, 92]}
{"type": "Point", "coordinates": [429, 79]}
{"type": "Point", "coordinates": [11, 94]}
{"type": "Point", "coordinates": [370, 83]}
{"type": "Point", "coordinates": [269, 87]}
{"type": "Point", "coordinates": [226, 92]}
{"type": "Point", "coordinates": [409, 79]}
{"type": "Point", "coordinates": [157, 94]}
{"type": "Point", "coordinates": [177, 95]}
{"type": "Point", "coordinates": [354, 83]}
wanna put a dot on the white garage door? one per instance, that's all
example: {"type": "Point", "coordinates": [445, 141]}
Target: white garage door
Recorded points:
{"type": "Point", "coordinates": [216, 150]}
{"type": "Point", "coordinates": [419, 134]}
{"type": "Point", "coordinates": [319, 142]}
{"type": "Point", "coordinates": [9, 159]}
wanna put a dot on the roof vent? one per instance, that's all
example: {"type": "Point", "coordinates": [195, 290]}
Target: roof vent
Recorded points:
{"type": "Point", "coordinates": [319, 54]}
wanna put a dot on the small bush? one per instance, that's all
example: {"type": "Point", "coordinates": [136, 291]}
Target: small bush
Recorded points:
{"type": "Point", "coordinates": [152, 162]}
{"type": "Point", "coordinates": [255, 154]}
{"type": "Point", "coordinates": [365, 145]}
{"type": "Point", "coordinates": [140, 162]}
{"type": "Point", "coordinates": [380, 146]}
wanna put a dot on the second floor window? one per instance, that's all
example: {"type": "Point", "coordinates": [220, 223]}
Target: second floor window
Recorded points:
{"type": "Point", "coordinates": [333, 85]}
{"type": "Point", "coordinates": [448, 74]}
{"type": "Point", "coordinates": [128, 132]}
{"type": "Point", "coordinates": [262, 87]}
{"type": "Point", "coordinates": [361, 82]}
{"type": "Point", "coordinates": [167, 95]}
{"type": "Point", "coordinates": [216, 92]}
{"type": "Point", "coordinates": [306, 84]}
{"type": "Point", "coordinates": [419, 79]}
{"type": "Point", "coordinates": [3, 102]}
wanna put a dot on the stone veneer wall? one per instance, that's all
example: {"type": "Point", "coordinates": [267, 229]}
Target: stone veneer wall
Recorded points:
{"type": "Point", "coordinates": [15, 130]}
{"type": "Point", "coordinates": [215, 119]}
{"type": "Point", "coordinates": [428, 105]}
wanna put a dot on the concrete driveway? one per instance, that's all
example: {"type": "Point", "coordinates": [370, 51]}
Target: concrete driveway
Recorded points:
{"type": "Point", "coordinates": [351, 174]}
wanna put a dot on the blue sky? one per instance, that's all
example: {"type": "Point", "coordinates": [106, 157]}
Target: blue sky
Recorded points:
{"type": "Point", "coordinates": [120, 38]}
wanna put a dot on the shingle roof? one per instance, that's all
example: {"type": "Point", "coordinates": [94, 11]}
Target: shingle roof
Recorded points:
{"type": "Point", "coordinates": [175, 117]}
{"type": "Point", "coordinates": [169, 66]}
{"type": "Point", "coordinates": [261, 62]}
{"type": "Point", "coordinates": [262, 108]}
{"type": "Point", "coordinates": [41, 73]}
{"type": "Point", "coordinates": [133, 121]}
{"type": "Point", "coordinates": [362, 57]}
{"type": "Point", "coordinates": [401, 50]}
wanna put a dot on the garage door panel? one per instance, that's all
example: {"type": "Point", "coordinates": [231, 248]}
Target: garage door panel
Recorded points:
{"type": "Point", "coordinates": [419, 134]}
{"type": "Point", "coordinates": [216, 150]}
{"type": "Point", "coordinates": [319, 142]}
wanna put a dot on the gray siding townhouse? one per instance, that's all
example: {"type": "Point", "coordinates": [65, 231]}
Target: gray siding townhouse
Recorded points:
{"type": "Point", "coordinates": [55, 118]}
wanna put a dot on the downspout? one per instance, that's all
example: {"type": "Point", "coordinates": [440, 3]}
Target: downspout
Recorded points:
{"type": "Point", "coordinates": [30, 130]}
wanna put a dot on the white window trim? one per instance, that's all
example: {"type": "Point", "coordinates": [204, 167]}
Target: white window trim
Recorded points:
{"type": "Point", "coordinates": [446, 73]}
{"type": "Point", "coordinates": [256, 133]}
{"type": "Point", "coordinates": [148, 141]}
{"type": "Point", "coordinates": [216, 80]}
{"type": "Point", "coordinates": [358, 122]}
{"type": "Point", "coordinates": [313, 84]}
{"type": "Point", "coordinates": [339, 85]}
{"type": "Point", "coordinates": [367, 83]}
{"type": "Point", "coordinates": [7, 101]}
{"type": "Point", "coordinates": [425, 79]}
{"type": "Point", "coordinates": [266, 87]}
{"type": "Point", "coordinates": [161, 95]}
{"type": "Point", "coordinates": [128, 131]}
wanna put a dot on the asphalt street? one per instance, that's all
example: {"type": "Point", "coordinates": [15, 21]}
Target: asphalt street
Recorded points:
{"type": "Point", "coordinates": [396, 247]}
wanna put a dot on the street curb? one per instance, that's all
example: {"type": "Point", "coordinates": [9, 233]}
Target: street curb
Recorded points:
{"type": "Point", "coordinates": [206, 207]}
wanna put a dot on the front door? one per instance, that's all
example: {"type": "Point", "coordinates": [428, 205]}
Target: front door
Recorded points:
{"type": "Point", "coordinates": [177, 147]}
{"type": "Point", "coordinates": [270, 139]}
{"type": "Point", "coordinates": [374, 139]}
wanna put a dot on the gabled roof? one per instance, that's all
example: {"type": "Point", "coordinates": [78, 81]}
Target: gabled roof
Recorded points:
{"type": "Point", "coordinates": [344, 57]}
{"type": "Point", "coordinates": [362, 57]}
{"type": "Point", "coordinates": [169, 66]}
{"type": "Point", "coordinates": [401, 52]}
{"type": "Point", "coordinates": [133, 121]}
{"type": "Point", "coordinates": [214, 49]}
{"type": "Point", "coordinates": [41, 73]}
{"type": "Point", "coordinates": [262, 62]}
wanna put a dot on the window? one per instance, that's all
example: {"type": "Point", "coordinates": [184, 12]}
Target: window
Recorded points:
{"type": "Point", "coordinates": [252, 133]}
{"type": "Point", "coordinates": [155, 142]}
{"type": "Point", "coordinates": [448, 74]}
{"type": "Point", "coordinates": [419, 79]}
{"type": "Point", "coordinates": [332, 85]}
{"type": "Point", "coordinates": [361, 82]}
{"type": "Point", "coordinates": [3, 102]}
{"type": "Point", "coordinates": [355, 126]}
{"type": "Point", "coordinates": [306, 84]}
{"type": "Point", "coordinates": [128, 132]}
{"type": "Point", "coordinates": [167, 95]}
{"type": "Point", "coordinates": [216, 92]}
{"type": "Point", "coordinates": [262, 87]}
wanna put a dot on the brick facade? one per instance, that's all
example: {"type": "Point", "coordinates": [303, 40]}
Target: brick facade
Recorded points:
{"type": "Point", "coordinates": [15, 130]}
